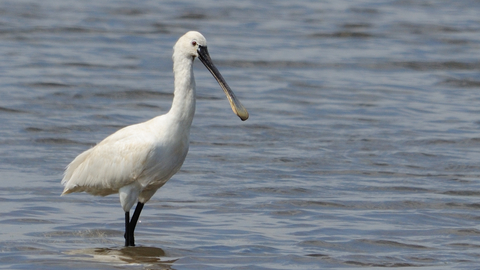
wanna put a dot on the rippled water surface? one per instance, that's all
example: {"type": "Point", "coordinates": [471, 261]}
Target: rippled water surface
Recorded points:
{"type": "Point", "coordinates": [362, 147]}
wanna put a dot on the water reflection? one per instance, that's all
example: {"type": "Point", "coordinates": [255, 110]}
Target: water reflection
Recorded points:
{"type": "Point", "coordinates": [126, 255]}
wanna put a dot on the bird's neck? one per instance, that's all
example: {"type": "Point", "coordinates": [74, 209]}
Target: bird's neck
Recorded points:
{"type": "Point", "coordinates": [183, 105]}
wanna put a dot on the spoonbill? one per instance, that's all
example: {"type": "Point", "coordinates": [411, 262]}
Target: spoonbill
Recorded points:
{"type": "Point", "coordinates": [137, 160]}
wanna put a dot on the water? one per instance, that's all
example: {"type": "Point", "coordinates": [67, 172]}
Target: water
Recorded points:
{"type": "Point", "coordinates": [361, 149]}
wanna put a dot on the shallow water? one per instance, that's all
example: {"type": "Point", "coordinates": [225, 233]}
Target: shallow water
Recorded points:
{"type": "Point", "coordinates": [361, 149]}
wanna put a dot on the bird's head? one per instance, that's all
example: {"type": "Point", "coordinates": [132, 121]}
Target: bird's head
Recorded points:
{"type": "Point", "coordinates": [190, 44]}
{"type": "Point", "coordinates": [193, 44]}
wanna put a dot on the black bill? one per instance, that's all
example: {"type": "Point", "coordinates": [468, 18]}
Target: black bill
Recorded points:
{"type": "Point", "coordinates": [237, 107]}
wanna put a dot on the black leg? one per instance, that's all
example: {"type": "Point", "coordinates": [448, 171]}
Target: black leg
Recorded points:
{"type": "Point", "coordinates": [131, 224]}
{"type": "Point", "coordinates": [127, 229]}
{"type": "Point", "coordinates": [136, 215]}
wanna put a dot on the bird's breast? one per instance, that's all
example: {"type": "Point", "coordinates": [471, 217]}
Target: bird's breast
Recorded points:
{"type": "Point", "coordinates": [165, 158]}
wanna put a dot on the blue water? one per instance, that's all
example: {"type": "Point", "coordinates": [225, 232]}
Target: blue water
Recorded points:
{"type": "Point", "coordinates": [361, 150]}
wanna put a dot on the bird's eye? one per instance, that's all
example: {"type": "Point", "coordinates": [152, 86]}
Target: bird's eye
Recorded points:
{"type": "Point", "coordinates": [194, 43]}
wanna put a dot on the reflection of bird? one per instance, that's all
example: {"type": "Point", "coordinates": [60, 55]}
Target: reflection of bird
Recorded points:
{"type": "Point", "coordinates": [139, 159]}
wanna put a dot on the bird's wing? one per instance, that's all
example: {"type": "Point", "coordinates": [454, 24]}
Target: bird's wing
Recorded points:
{"type": "Point", "coordinates": [116, 161]}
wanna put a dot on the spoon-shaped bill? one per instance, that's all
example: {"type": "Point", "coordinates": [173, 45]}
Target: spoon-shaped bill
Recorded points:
{"type": "Point", "coordinates": [237, 107]}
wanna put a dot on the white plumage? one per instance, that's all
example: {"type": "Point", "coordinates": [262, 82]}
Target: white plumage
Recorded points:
{"type": "Point", "coordinates": [137, 160]}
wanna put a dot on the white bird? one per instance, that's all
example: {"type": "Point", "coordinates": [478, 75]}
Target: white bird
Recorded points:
{"type": "Point", "coordinates": [137, 160]}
